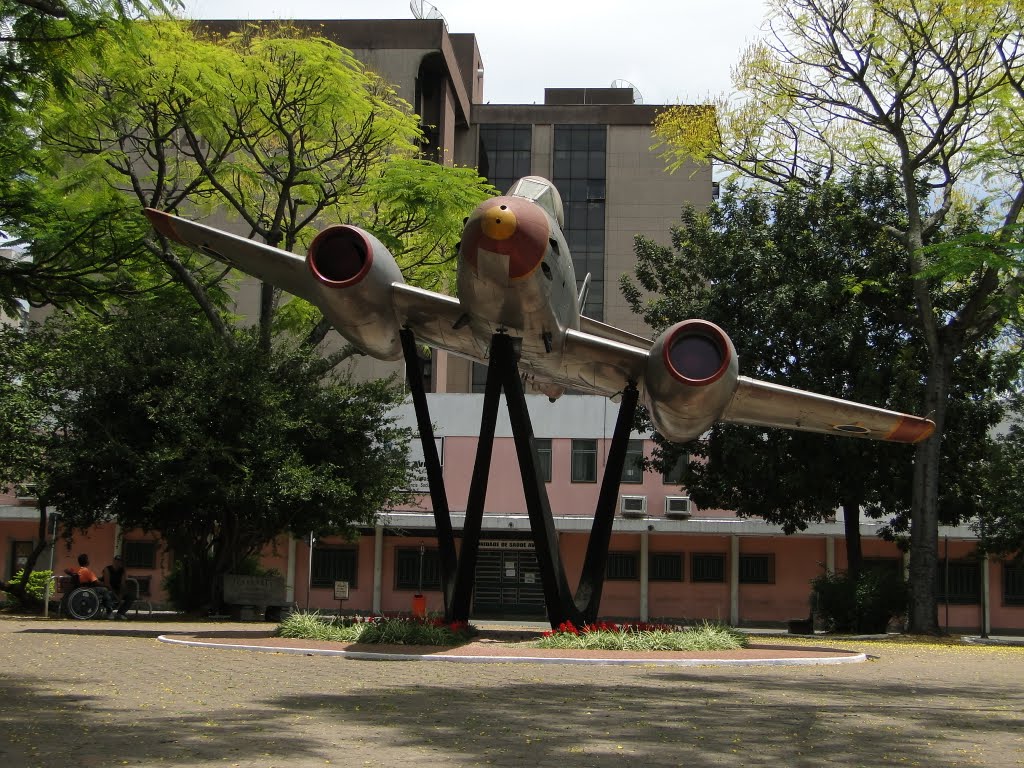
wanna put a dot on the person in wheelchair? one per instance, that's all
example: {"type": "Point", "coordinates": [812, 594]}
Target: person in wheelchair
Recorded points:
{"type": "Point", "coordinates": [86, 578]}
{"type": "Point", "coordinates": [115, 579]}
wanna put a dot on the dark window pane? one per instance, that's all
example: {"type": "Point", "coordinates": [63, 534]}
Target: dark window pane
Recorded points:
{"type": "Point", "coordinates": [675, 475]}
{"type": "Point", "coordinates": [623, 566]}
{"type": "Point", "coordinates": [964, 580]}
{"type": "Point", "coordinates": [584, 461]}
{"type": "Point", "coordinates": [665, 566]}
{"type": "Point", "coordinates": [407, 569]}
{"type": "Point", "coordinates": [139, 554]}
{"type": "Point", "coordinates": [632, 472]}
{"type": "Point", "coordinates": [757, 569]}
{"type": "Point", "coordinates": [479, 378]}
{"type": "Point", "coordinates": [1013, 584]}
{"type": "Point", "coordinates": [331, 565]}
{"type": "Point", "coordinates": [707, 568]}
{"type": "Point", "coordinates": [544, 458]}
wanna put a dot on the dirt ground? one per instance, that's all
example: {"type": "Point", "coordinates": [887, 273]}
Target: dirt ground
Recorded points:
{"type": "Point", "coordinates": [98, 694]}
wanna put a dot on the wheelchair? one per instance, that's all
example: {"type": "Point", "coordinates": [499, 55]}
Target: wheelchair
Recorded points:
{"type": "Point", "coordinates": [80, 602]}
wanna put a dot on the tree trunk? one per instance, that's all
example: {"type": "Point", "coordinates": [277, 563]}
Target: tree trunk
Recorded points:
{"type": "Point", "coordinates": [924, 509]}
{"type": "Point", "coordinates": [851, 525]}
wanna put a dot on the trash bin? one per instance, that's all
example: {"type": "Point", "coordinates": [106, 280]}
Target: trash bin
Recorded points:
{"type": "Point", "coordinates": [419, 606]}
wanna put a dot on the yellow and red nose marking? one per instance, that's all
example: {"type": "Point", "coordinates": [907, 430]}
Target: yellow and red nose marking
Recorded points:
{"type": "Point", "coordinates": [509, 226]}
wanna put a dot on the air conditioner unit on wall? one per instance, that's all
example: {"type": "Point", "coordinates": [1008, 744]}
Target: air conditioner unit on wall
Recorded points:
{"type": "Point", "coordinates": [633, 506]}
{"type": "Point", "coordinates": [677, 506]}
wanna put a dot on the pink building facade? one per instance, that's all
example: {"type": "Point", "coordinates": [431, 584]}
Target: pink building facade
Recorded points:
{"type": "Point", "coordinates": [669, 560]}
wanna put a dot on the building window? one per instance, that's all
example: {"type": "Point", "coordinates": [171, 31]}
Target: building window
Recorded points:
{"type": "Point", "coordinates": [889, 567]}
{"type": "Point", "coordinates": [623, 566]}
{"type": "Point", "coordinates": [407, 569]}
{"type": "Point", "coordinates": [331, 565]}
{"type": "Point", "coordinates": [578, 171]}
{"type": "Point", "coordinates": [632, 468]}
{"type": "Point", "coordinates": [505, 154]}
{"type": "Point", "coordinates": [757, 569]}
{"type": "Point", "coordinates": [1013, 583]}
{"type": "Point", "coordinates": [584, 461]}
{"type": "Point", "coordinates": [964, 579]}
{"type": "Point", "coordinates": [25, 491]}
{"type": "Point", "coordinates": [478, 384]}
{"type": "Point", "coordinates": [665, 566]}
{"type": "Point", "coordinates": [674, 476]}
{"type": "Point", "coordinates": [707, 568]}
{"type": "Point", "coordinates": [139, 554]}
{"type": "Point", "coordinates": [543, 446]}
{"type": "Point", "coordinates": [20, 551]}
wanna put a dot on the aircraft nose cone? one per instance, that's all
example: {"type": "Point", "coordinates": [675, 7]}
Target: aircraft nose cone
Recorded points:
{"type": "Point", "coordinates": [510, 230]}
{"type": "Point", "coordinates": [499, 222]}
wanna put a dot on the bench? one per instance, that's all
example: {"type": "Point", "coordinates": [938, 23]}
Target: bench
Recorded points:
{"type": "Point", "coordinates": [256, 598]}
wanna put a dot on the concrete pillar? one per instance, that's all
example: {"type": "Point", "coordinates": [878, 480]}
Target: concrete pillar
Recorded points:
{"type": "Point", "coordinates": [378, 566]}
{"type": "Point", "coordinates": [734, 580]}
{"type": "Point", "coordinates": [645, 614]}
{"type": "Point", "coordinates": [986, 617]}
{"type": "Point", "coordinates": [289, 584]}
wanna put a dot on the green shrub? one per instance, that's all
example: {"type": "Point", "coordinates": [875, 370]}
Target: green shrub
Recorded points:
{"type": "Point", "coordinates": [605, 636]}
{"type": "Point", "coordinates": [36, 588]}
{"type": "Point", "coordinates": [864, 605]}
{"type": "Point", "coordinates": [374, 629]}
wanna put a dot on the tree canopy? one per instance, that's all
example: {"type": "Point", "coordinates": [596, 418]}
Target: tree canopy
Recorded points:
{"type": "Point", "coordinates": [931, 92]}
{"type": "Point", "coordinates": [159, 426]}
{"type": "Point", "coordinates": [810, 292]}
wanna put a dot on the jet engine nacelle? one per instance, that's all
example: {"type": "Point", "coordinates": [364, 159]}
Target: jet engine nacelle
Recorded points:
{"type": "Point", "coordinates": [691, 376]}
{"type": "Point", "coordinates": [354, 272]}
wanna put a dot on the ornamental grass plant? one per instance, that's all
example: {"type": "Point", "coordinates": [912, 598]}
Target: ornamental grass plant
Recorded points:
{"type": "Point", "coordinates": [386, 630]}
{"type": "Point", "coordinates": [606, 636]}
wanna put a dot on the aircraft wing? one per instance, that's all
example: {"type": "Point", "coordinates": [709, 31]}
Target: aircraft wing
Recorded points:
{"type": "Point", "coordinates": [600, 365]}
{"type": "Point", "coordinates": [272, 265]}
{"type": "Point", "coordinates": [762, 404]}
{"type": "Point", "coordinates": [437, 320]}
{"type": "Point", "coordinates": [682, 406]}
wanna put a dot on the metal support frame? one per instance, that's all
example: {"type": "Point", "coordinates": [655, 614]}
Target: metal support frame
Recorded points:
{"type": "Point", "coordinates": [458, 572]}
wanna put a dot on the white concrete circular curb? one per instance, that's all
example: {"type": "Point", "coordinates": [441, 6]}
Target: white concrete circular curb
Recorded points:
{"type": "Point", "coordinates": [368, 656]}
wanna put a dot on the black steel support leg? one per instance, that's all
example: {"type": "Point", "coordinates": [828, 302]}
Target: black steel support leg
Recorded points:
{"type": "Point", "coordinates": [458, 571]}
{"type": "Point", "coordinates": [435, 476]}
{"type": "Point", "coordinates": [466, 577]}
{"type": "Point", "coordinates": [588, 592]}
{"type": "Point", "coordinates": [556, 588]}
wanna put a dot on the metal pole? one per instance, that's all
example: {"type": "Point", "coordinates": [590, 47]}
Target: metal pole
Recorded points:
{"type": "Point", "coordinates": [947, 583]}
{"type": "Point", "coordinates": [423, 549]}
{"type": "Point", "coordinates": [309, 569]}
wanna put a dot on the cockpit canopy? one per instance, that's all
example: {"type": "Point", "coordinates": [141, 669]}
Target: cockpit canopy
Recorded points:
{"type": "Point", "coordinates": [543, 193]}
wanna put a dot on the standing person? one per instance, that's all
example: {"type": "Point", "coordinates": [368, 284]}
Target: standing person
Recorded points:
{"type": "Point", "coordinates": [86, 578]}
{"type": "Point", "coordinates": [116, 580]}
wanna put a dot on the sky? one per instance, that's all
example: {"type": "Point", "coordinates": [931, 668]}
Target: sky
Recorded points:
{"type": "Point", "coordinates": [673, 51]}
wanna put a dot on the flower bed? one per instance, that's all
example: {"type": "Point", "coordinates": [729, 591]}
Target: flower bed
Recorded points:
{"type": "Point", "coordinates": [376, 629]}
{"type": "Point", "coordinates": [607, 636]}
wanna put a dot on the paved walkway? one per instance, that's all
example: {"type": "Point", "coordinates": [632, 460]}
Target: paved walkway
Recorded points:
{"type": "Point", "coordinates": [105, 694]}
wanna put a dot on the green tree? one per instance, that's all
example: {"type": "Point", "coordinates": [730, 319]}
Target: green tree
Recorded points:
{"type": "Point", "coordinates": [218, 449]}
{"type": "Point", "coordinates": [930, 91]}
{"type": "Point", "coordinates": [283, 132]}
{"type": "Point", "coordinates": [809, 291]}
{"type": "Point", "coordinates": [1000, 522]}
{"type": "Point", "coordinates": [32, 398]}
{"type": "Point", "coordinates": [41, 44]}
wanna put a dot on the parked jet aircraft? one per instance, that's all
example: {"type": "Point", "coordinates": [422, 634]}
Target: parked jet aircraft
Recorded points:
{"type": "Point", "coordinates": [515, 276]}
